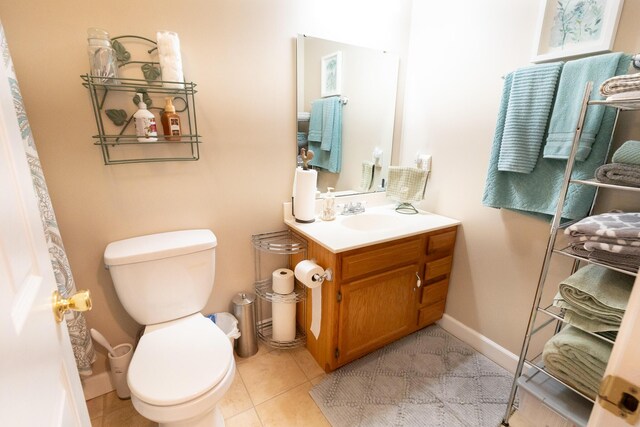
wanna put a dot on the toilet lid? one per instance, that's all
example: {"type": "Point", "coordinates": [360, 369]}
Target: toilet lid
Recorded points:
{"type": "Point", "coordinates": [179, 362]}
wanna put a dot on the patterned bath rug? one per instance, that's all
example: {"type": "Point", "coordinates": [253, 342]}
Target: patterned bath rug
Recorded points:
{"type": "Point", "coordinates": [429, 378]}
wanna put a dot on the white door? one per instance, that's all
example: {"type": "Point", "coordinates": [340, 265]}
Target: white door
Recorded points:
{"type": "Point", "coordinates": [39, 381]}
{"type": "Point", "coordinates": [624, 360]}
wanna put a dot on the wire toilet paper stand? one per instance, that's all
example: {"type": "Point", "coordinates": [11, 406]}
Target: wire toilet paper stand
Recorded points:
{"type": "Point", "coordinates": [277, 243]}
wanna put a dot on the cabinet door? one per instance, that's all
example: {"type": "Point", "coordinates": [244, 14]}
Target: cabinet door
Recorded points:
{"type": "Point", "coordinates": [375, 311]}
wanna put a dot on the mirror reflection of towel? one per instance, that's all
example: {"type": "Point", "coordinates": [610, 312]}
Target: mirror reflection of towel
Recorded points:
{"type": "Point", "coordinates": [325, 133]}
{"type": "Point", "coordinates": [406, 184]}
{"type": "Point", "coordinates": [367, 176]}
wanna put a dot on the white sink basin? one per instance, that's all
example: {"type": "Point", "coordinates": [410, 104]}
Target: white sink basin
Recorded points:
{"type": "Point", "coordinates": [376, 225]}
{"type": "Point", "coordinates": [370, 222]}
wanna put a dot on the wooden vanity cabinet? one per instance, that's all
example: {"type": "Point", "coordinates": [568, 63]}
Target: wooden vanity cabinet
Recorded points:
{"type": "Point", "coordinates": [378, 294]}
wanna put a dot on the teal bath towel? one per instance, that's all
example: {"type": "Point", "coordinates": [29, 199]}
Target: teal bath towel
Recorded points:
{"type": "Point", "coordinates": [530, 101]}
{"type": "Point", "coordinates": [537, 193]}
{"type": "Point", "coordinates": [325, 134]}
{"type": "Point", "coordinates": [566, 110]}
{"type": "Point", "coordinates": [628, 153]}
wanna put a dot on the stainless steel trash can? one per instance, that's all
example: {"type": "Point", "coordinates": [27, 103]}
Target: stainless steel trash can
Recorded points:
{"type": "Point", "coordinates": [244, 309]}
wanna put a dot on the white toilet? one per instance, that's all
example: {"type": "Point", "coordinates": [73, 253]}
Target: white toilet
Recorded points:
{"type": "Point", "coordinates": [183, 364]}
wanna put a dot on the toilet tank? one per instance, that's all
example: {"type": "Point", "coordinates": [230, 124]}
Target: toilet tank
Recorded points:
{"type": "Point", "coordinates": [165, 276]}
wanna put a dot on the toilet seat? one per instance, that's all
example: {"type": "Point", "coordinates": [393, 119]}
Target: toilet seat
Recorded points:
{"type": "Point", "coordinates": [178, 361]}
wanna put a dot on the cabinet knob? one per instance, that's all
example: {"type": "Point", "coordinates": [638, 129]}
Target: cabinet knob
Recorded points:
{"type": "Point", "coordinates": [418, 281]}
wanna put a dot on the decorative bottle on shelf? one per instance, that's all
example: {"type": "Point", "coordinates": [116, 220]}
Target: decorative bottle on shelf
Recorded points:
{"type": "Point", "coordinates": [328, 206]}
{"type": "Point", "coordinates": [145, 123]}
{"type": "Point", "coordinates": [170, 121]}
{"type": "Point", "coordinates": [102, 57]}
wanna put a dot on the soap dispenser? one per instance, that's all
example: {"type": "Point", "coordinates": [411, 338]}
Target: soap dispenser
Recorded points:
{"type": "Point", "coordinates": [170, 121]}
{"type": "Point", "coordinates": [145, 123]}
{"type": "Point", "coordinates": [329, 206]}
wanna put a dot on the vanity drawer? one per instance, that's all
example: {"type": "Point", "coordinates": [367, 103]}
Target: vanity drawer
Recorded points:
{"type": "Point", "coordinates": [380, 258]}
{"type": "Point", "coordinates": [438, 268]}
{"type": "Point", "coordinates": [434, 292]}
{"type": "Point", "coordinates": [441, 244]}
{"type": "Point", "coordinates": [430, 313]}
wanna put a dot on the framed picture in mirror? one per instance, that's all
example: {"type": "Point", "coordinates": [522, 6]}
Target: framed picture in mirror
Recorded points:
{"type": "Point", "coordinates": [331, 74]}
{"type": "Point", "coordinates": [568, 28]}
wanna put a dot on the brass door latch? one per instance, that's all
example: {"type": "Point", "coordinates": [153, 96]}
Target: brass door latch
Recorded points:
{"type": "Point", "coordinates": [620, 397]}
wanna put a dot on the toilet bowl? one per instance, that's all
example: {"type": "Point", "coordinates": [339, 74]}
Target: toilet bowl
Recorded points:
{"type": "Point", "coordinates": [179, 372]}
{"type": "Point", "coordinates": [183, 364]}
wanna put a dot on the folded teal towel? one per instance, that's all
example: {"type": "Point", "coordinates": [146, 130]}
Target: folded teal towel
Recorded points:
{"type": "Point", "coordinates": [566, 110]}
{"type": "Point", "coordinates": [528, 112]}
{"type": "Point", "coordinates": [628, 153]}
{"type": "Point", "coordinates": [325, 134]}
{"type": "Point", "coordinates": [536, 193]}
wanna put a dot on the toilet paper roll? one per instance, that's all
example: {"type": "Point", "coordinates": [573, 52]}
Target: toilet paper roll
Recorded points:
{"type": "Point", "coordinates": [308, 273]}
{"type": "Point", "coordinates": [282, 281]}
{"type": "Point", "coordinates": [304, 198]}
{"type": "Point", "coordinates": [283, 318]}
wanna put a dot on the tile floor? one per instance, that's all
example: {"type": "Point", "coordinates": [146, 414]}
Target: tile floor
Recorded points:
{"type": "Point", "coordinates": [270, 388]}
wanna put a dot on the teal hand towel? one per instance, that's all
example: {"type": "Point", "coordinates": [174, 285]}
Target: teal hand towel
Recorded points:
{"type": "Point", "coordinates": [628, 153]}
{"type": "Point", "coordinates": [326, 140]}
{"type": "Point", "coordinates": [577, 358]}
{"type": "Point", "coordinates": [537, 193]}
{"type": "Point", "coordinates": [315, 121]}
{"type": "Point", "coordinates": [595, 298]}
{"type": "Point", "coordinates": [527, 116]}
{"type": "Point", "coordinates": [566, 110]}
{"type": "Point", "coordinates": [331, 122]}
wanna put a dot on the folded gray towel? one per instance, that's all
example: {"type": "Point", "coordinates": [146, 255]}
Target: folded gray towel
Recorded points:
{"type": "Point", "coordinates": [577, 358]}
{"type": "Point", "coordinates": [622, 261]}
{"type": "Point", "coordinates": [594, 298]}
{"type": "Point", "coordinates": [619, 228]}
{"type": "Point", "coordinates": [619, 173]}
{"type": "Point", "coordinates": [625, 261]}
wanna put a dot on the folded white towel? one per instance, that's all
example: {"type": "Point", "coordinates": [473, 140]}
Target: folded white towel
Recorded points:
{"type": "Point", "coordinates": [620, 84]}
{"type": "Point", "coordinates": [633, 94]}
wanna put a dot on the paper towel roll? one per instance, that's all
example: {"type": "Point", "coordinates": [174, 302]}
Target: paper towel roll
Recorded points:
{"type": "Point", "coordinates": [307, 272]}
{"type": "Point", "coordinates": [282, 281]}
{"type": "Point", "coordinates": [283, 317]}
{"type": "Point", "coordinates": [304, 198]}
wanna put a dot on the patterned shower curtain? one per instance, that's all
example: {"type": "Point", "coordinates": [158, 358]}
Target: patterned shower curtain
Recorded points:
{"type": "Point", "coordinates": [80, 337]}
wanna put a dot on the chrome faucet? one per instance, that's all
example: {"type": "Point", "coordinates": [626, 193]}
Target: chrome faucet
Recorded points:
{"type": "Point", "coordinates": [353, 208]}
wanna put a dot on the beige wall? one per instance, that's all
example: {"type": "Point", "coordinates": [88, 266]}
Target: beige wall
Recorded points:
{"type": "Point", "coordinates": [241, 53]}
{"type": "Point", "coordinates": [458, 53]}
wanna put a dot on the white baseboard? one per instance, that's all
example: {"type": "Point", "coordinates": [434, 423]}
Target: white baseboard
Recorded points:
{"type": "Point", "coordinates": [484, 345]}
{"type": "Point", "coordinates": [97, 385]}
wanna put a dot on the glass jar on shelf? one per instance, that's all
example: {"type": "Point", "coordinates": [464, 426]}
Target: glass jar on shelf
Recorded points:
{"type": "Point", "coordinates": [102, 57]}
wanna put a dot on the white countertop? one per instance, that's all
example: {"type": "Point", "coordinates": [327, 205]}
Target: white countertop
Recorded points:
{"type": "Point", "coordinates": [338, 237]}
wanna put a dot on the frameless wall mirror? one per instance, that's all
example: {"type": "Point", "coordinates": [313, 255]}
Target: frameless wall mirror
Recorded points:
{"type": "Point", "coordinates": [364, 83]}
